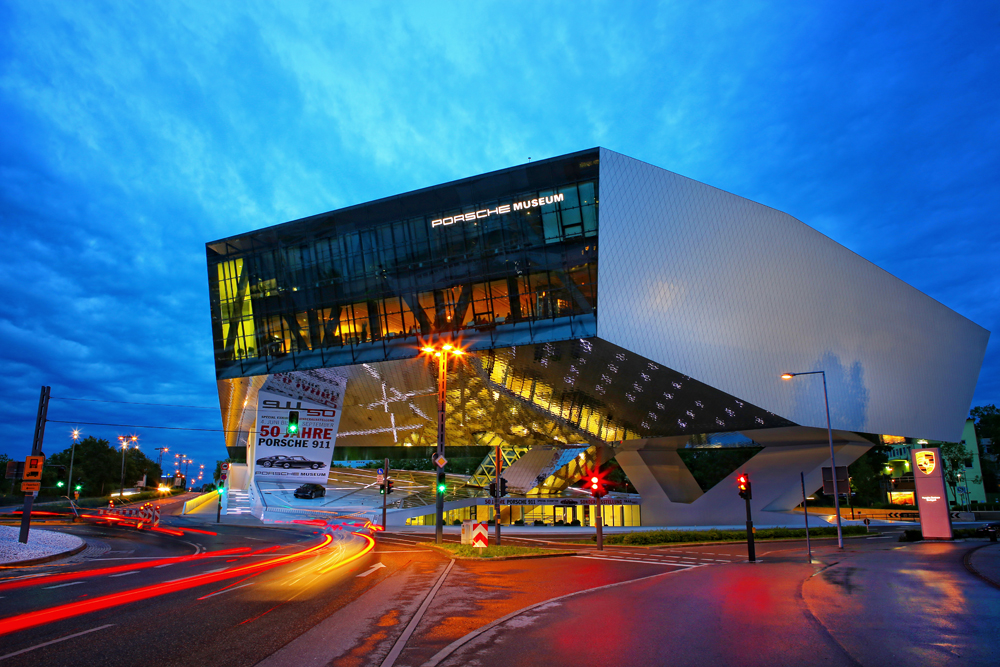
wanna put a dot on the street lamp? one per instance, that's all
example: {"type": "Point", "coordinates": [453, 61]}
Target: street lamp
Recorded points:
{"type": "Point", "coordinates": [125, 441]}
{"type": "Point", "coordinates": [442, 352]}
{"type": "Point", "coordinates": [159, 457]}
{"type": "Point", "coordinates": [833, 459]}
{"type": "Point", "coordinates": [72, 454]}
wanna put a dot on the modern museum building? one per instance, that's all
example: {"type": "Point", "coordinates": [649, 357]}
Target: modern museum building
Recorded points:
{"type": "Point", "coordinates": [611, 311]}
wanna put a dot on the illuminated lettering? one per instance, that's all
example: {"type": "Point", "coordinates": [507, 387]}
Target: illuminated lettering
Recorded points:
{"type": "Point", "coordinates": [503, 209]}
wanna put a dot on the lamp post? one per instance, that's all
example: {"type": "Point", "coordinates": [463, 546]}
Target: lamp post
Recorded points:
{"type": "Point", "coordinates": [125, 441]}
{"type": "Point", "coordinates": [442, 353]}
{"type": "Point", "coordinates": [833, 459]}
{"type": "Point", "coordinates": [72, 454]}
{"type": "Point", "coordinates": [159, 457]}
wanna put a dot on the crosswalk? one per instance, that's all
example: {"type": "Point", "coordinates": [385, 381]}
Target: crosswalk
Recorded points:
{"type": "Point", "coordinates": [672, 559]}
{"type": "Point", "coordinates": [238, 503]}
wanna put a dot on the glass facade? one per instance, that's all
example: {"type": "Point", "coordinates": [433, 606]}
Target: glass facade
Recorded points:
{"type": "Point", "coordinates": [507, 258]}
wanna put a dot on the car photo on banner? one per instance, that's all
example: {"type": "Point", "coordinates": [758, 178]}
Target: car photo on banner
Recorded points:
{"type": "Point", "coordinates": [289, 462]}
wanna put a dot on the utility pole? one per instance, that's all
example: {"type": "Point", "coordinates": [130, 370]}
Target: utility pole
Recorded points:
{"type": "Point", "coordinates": [805, 515]}
{"type": "Point", "coordinates": [36, 450]}
{"type": "Point", "coordinates": [496, 499]}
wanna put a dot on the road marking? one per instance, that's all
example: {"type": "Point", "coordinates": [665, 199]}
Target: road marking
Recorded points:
{"type": "Point", "coordinates": [225, 590]}
{"type": "Point", "coordinates": [410, 551]}
{"type": "Point", "coordinates": [373, 568]}
{"type": "Point", "coordinates": [72, 583]}
{"type": "Point", "coordinates": [123, 574]}
{"type": "Point", "coordinates": [397, 648]}
{"type": "Point", "coordinates": [55, 641]}
{"type": "Point", "coordinates": [632, 560]}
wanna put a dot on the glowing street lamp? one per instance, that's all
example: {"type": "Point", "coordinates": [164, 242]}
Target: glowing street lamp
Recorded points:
{"type": "Point", "coordinates": [124, 441]}
{"type": "Point", "coordinates": [442, 352]}
{"type": "Point", "coordinates": [75, 434]}
{"type": "Point", "coordinates": [833, 459]}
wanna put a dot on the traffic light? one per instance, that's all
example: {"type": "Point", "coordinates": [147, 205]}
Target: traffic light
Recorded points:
{"type": "Point", "coordinates": [493, 489]}
{"type": "Point", "coordinates": [78, 487]}
{"type": "Point", "coordinates": [381, 489]}
{"type": "Point", "coordinates": [388, 486]}
{"type": "Point", "coordinates": [442, 487]}
{"type": "Point", "coordinates": [744, 483]}
{"type": "Point", "coordinates": [293, 422]}
{"type": "Point", "coordinates": [595, 484]}
{"type": "Point", "coordinates": [503, 487]}
{"type": "Point", "coordinates": [60, 484]}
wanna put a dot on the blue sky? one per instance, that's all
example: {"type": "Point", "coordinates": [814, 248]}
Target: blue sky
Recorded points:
{"type": "Point", "coordinates": [133, 133]}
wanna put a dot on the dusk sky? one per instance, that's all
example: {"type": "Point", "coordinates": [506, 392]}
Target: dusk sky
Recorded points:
{"type": "Point", "coordinates": [133, 133]}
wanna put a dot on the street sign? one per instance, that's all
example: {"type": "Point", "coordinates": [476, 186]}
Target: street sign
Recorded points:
{"type": "Point", "coordinates": [381, 477]}
{"type": "Point", "coordinates": [225, 466]}
{"type": "Point", "coordinates": [76, 495]}
{"type": "Point", "coordinates": [843, 481]}
{"type": "Point", "coordinates": [440, 461]}
{"type": "Point", "coordinates": [15, 469]}
{"type": "Point", "coordinates": [33, 468]}
{"type": "Point", "coordinates": [480, 536]}
{"type": "Point", "coordinates": [31, 486]}
{"type": "Point", "coordinates": [381, 472]}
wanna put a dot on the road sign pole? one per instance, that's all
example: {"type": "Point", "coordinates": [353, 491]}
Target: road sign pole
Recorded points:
{"type": "Point", "coordinates": [385, 496]}
{"type": "Point", "coordinates": [439, 496]}
{"type": "Point", "coordinates": [751, 553]}
{"type": "Point", "coordinates": [36, 450]}
{"type": "Point", "coordinates": [496, 500]}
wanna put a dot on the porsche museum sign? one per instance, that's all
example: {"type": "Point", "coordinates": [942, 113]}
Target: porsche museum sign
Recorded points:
{"type": "Point", "coordinates": [932, 498]}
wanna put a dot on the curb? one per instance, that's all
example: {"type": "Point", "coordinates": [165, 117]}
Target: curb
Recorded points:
{"type": "Point", "coordinates": [43, 559]}
{"type": "Point", "coordinates": [967, 561]}
{"type": "Point", "coordinates": [559, 554]}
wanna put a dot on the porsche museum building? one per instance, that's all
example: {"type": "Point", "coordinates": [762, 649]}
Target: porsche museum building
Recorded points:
{"type": "Point", "coordinates": [612, 310]}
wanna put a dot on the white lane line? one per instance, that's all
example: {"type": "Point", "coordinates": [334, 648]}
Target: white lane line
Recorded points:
{"type": "Point", "coordinates": [410, 551]}
{"type": "Point", "coordinates": [373, 568]}
{"type": "Point", "coordinates": [157, 567]}
{"type": "Point", "coordinates": [123, 574]}
{"type": "Point", "coordinates": [55, 641]}
{"type": "Point", "coordinates": [225, 590]}
{"type": "Point", "coordinates": [631, 560]}
{"type": "Point", "coordinates": [72, 583]}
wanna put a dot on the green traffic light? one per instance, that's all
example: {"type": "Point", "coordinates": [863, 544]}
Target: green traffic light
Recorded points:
{"type": "Point", "coordinates": [60, 484]}
{"type": "Point", "coordinates": [79, 486]}
{"type": "Point", "coordinates": [442, 488]}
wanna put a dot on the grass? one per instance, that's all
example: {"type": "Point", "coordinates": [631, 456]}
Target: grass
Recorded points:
{"type": "Point", "coordinates": [680, 536]}
{"type": "Point", "coordinates": [469, 551]}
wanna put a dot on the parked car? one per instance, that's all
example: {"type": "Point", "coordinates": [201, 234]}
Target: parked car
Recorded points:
{"type": "Point", "coordinates": [310, 491]}
{"type": "Point", "coordinates": [280, 461]}
{"type": "Point", "coordinates": [993, 526]}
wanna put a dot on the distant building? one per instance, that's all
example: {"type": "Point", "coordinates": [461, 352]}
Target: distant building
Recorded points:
{"type": "Point", "coordinates": [966, 490]}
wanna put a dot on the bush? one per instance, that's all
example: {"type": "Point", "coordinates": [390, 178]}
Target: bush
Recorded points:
{"type": "Point", "coordinates": [538, 522]}
{"type": "Point", "coordinates": [677, 536]}
{"type": "Point", "coordinates": [519, 522]}
{"type": "Point", "coordinates": [456, 522]}
{"type": "Point", "coordinates": [575, 522]}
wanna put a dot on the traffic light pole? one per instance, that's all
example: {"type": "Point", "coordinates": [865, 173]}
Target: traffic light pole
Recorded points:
{"type": "Point", "coordinates": [599, 522]}
{"type": "Point", "coordinates": [385, 494]}
{"type": "Point", "coordinates": [750, 547]}
{"type": "Point", "coordinates": [496, 500]}
{"type": "Point", "coordinates": [439, 500]}
{"type": "Point", "coordinates": [36, 450]}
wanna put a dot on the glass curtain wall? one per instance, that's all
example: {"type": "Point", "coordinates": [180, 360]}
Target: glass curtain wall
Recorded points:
{"type": "Point", "coordinates": [315, 289]}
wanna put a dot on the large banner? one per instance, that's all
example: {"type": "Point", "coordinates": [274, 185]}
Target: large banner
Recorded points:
{"type": "Point", "coordinates": [298, 415]}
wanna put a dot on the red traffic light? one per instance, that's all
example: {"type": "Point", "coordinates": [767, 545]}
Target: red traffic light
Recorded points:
{"type": "Point", "coordinates": [596, 484]}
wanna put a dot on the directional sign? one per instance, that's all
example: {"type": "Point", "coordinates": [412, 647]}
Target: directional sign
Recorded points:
{"type": "Point", "coordinates": [381, 478]}
{"type": "Point", "coordinates": [480, 536]}
{"type": "Point", "coordinates": [31, 486]}
{"type": "Point", "coordinates": [381, 472]}
{"type": "Point", "coordinates": [33, 468]}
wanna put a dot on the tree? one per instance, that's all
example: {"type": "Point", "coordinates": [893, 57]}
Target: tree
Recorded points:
{"type": "Point", "coordinates": [4, 482]}
{"type": "Point", "coordinates": [866, 476]}
{"type": "Point", "coordinates": [988, 426]}
{"type": "Point", "coordinates": [953, 457]}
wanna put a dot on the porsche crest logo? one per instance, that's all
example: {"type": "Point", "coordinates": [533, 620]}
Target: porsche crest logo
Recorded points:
{"type": "Point", "coordinates": [925, 462]}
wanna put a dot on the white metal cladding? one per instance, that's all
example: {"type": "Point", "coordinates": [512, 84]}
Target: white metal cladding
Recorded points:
{"type": "Point", "coordinates": [733, 293]}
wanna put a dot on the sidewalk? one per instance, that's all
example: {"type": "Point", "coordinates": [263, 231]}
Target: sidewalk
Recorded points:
{"type": "Point", "coordinates": [985, 562]}
{"type": "Point", "coordinates": [42, 546]}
